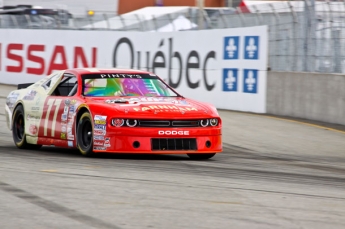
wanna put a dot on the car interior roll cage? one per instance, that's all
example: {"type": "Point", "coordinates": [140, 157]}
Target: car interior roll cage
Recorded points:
{"type": "Point", "coordinates": [65, 88]}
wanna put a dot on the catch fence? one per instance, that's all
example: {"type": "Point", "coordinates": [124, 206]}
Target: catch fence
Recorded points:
{"type": "Point", "coordinates": [303, 36]}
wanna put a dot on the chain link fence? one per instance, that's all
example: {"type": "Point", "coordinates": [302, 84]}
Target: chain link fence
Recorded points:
{"type": "Point", "coordinates": [303, 36]}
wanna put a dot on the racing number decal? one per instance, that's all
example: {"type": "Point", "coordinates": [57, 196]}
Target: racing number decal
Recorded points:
{"type": "Point", "coordinates": [51, 118]}
{"type": "Point", "coordinates": [50, 103]}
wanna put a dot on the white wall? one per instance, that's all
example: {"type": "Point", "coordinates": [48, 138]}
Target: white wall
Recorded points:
{"type": "Point", "coordinates": [224, 67]}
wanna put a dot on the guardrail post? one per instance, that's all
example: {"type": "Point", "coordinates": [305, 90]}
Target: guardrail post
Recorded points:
{"type": "Point", "coordinates": [106, 20]}
{"type": "Point", "coordinates": [240, 14]}
{"type": "Point", "coordinates": [140, 22]}
{"type": "Point", "coordinates": [154, 22]}
{"type": "Point", "coordinates": [221, 14]}
{"type": "Point", "coordinates": [28, 20]}
{"type": "Point", "coordinates": [294, 40]}
{"type": "Point", "coordinates": [258, 15]}
{"type": "Point", "coordinates": [275, 42]}
{"type": "Point", "coordinates": [171, 22]}
{"type": "Point", "coordinates": [123, 22]}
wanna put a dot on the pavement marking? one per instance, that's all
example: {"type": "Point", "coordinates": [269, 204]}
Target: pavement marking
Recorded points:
{"type": "Point", "coordinates": [49, 171]}
{"type": "Point", "coordinates": [224, 202]}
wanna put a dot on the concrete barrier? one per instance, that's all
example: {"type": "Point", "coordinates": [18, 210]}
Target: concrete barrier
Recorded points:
{"type": "Point", "coordinates": [312, 96]}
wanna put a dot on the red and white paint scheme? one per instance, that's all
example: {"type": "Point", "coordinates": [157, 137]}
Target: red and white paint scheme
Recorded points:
{"type": "Point", "coordinates": [112, 111]}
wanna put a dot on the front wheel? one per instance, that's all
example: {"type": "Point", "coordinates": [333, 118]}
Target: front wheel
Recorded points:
{"type": "Point", "coordinates": [18, 130]}
{"type": "Point", "coordinates": [200, 156]}
{"type": "Point", "coordinates": [85, 135]}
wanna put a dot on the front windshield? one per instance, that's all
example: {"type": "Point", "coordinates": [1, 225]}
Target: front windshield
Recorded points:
{"type": "Point", "coordinates": [152, 87]}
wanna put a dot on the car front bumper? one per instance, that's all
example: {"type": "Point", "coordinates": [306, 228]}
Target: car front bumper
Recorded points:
{"type": "Point", "coordinates": [158, 141]}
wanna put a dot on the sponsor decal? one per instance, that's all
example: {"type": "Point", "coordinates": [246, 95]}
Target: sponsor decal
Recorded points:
{"type": "Point", "coordinates": [133, 76]}
{"type": "Point", "coordinates": [65, 110]}
{"type": "Point", "coordinates": [167, 59]}
{"type": "Point", "coordinates": [173, 132]}
{"type": "Point", "coordinates": [100, 117]}
{"type": "Point", "coordinates": [33, 129]}
{"type": "Point", "coordinates": [98, 137]}
{"type": "Point", "coordinates": [69, 130]}
{"type": "Point", "coordinates": [165, 108]}
{"type": "Point", "coordinates": [101, 122]}
{"type": "Point", "coordinates": [73, 101]}
{"type": "Point", "coordinates": [67, 102]}
{"type": "Point", "coordinates": [64, 117]}
{"type": "Point", "coordinates": [117, 100]}
{"type": "Point", "coordinates": [250, 81]}
{"type": "Point", "coordinates": [100, 127]}
{"type": "Point", "coordinates": [99, 132]}
{"type": "Point", "coordinates": [99, 148]}
{"type": "Point", "coordinates": [30, 117]}
{"type": "Point", "coordinates": [231, 48]}
{"type": "Point", "coordinates": [35, 109]}
{"type": "Point", "coordinates": [107, 143]}
{"type": "Point", "coordinates": [63, 128]}
{"type": "Point", "coordinates": [70, 137]}
{"type": "Point", "coordinates": [63, 136]}
{"type": "Point", "coordinates": [71, 116]}
{"type": "Point", "coordinates": [72, 109]}
{"type": "Point", "coordinates": [167, 101]}
{"type": "Point", "coordinates": [26, 52]}
{"type": "Point", "coordinates": [70, 143]}
{"type": "Point", "coordinates": [230, 79]}
{"type": "Point", "coordinates": [30, 95]}
{"type": "Point", "coordinates": [107, 139]}
{"type": "Point", "coordinates": [251, 44]}
{"type": "Point", "coordinates": [98, 143]}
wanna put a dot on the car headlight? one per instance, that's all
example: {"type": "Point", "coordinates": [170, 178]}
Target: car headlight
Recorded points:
{"type": "Point", "coordinates": [131, 122]}
{"type": "Point", "coordinates": [117, 122]}
{"type": "Point", "coordinates": [213, 122]}
{"type": "Point", "coordinates": [204, 122]}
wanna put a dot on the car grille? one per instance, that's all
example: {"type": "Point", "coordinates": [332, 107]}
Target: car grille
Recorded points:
{"type": "Point", "coordinates": [169, 123]}
{"type": "Point", "coordinates": [173, 144]}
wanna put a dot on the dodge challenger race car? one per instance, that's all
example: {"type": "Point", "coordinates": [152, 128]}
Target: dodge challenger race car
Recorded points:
{"type": "Point", "coordinates": [111, 111]}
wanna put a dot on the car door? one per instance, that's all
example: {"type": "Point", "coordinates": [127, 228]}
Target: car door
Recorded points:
{"type": "Point", "coordinates": [56, 125]}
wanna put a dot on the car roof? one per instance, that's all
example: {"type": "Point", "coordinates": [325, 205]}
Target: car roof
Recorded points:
{"type": "Point", "coordinates": [83, 71]}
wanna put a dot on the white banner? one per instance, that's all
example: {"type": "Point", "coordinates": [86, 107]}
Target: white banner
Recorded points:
{"type": "Point", "coordinates": [224, 67]}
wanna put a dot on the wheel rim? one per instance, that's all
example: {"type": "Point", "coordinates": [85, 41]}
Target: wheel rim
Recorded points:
{"type": "Point", "coordinates": [86, 137]}
{"type": "Point", "coordinates": [19, 127]}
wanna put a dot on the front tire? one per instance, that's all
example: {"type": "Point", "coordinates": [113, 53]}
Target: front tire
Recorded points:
{"type": "Point", "coordinates": [85, 135]}
{"type": "Point", "coordinates": [18, 130]}
{"type": "Point", "coordinates": [200, 156]}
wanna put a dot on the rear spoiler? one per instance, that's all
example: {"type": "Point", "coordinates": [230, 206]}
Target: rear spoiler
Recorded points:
{"type": "Point", "coordinates": [24, 85]}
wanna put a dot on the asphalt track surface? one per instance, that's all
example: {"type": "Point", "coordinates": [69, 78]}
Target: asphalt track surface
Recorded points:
{"type": "Point", "coordinates": [273, 173]}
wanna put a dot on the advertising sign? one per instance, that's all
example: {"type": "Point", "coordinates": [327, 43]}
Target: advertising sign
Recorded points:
{"type": "Point", "coordinates": [225, 67]}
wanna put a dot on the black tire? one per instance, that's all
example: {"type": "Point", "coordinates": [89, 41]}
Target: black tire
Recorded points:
{"type": "Point", "coordinates": [85, 135]}
{"type": "Point", "coordinates": [18, 130]}
{"type": "Point", "coordinates": [200, 156]}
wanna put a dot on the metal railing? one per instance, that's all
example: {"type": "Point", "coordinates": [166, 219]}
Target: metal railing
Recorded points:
{"type": "Point", "coordinates": [303, 36]}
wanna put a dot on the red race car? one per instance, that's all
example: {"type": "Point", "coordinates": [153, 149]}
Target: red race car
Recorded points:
{"type": "Point", "coordinates": [112, 111]}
